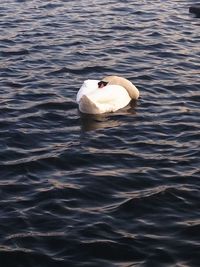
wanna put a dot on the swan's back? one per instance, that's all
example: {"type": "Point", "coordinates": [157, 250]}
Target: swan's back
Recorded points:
{"type": "Point", "coordinates": [94, 100]}
{"type": "Point", "coordinates": [87, 87]}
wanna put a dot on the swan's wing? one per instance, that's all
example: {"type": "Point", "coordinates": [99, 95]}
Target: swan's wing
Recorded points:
{"type": "Point", "coordinates": [87, 87]}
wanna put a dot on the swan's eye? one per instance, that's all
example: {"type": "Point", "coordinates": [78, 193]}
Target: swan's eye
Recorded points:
{"type": "Point", "coordinates": [102, 84]}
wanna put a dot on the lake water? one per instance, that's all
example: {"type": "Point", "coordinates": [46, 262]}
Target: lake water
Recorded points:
{"type": "Point", "coordinates": [116, 190]}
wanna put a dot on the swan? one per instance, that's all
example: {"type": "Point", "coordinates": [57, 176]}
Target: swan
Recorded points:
{"type": "Point", "coordinates": [108, 95]}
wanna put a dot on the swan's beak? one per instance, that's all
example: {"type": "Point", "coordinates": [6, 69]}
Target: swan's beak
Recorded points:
{"type": "Point", "coordinates": [101, 84]}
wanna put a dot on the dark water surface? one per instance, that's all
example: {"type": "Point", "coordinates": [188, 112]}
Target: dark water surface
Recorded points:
{"type": "Point", "coordinates": [120, 189]}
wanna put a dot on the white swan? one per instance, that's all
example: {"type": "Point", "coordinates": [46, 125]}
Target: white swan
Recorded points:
{"type": "Point", "coordinates": [108, 95]}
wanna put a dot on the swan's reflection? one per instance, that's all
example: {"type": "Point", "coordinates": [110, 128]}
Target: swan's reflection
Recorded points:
{"type": "Point", "coordinates": [91, 122]}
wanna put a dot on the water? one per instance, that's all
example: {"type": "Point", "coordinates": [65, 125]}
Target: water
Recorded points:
{"type": "Point", "coordinates": [119, 189]}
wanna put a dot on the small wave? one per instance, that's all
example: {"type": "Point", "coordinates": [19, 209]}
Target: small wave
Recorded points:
{"type": "Point", "coordinates": [114, 251]}
{"type": "Point", "coordinates": [26, 256]}
{"type": "Point", "coordinates": [84, 70]}
{"type": "Point", "coordinates": [154, 200]}
{"type": "Point", "coordinates": [14, 53]}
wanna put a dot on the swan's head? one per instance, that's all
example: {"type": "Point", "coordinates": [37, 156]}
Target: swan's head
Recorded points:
{"type": "Point", "coordinates": [116, 80]}
{"type": "Point", "coordinates": [101, 84]}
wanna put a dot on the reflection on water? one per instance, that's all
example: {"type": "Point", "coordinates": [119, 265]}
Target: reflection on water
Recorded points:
{"type": "Point", "coordinates": [90, 122]}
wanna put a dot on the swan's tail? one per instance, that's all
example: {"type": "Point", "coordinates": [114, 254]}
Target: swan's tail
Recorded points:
{"type": "Point", "coordinates": [87, 106]}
